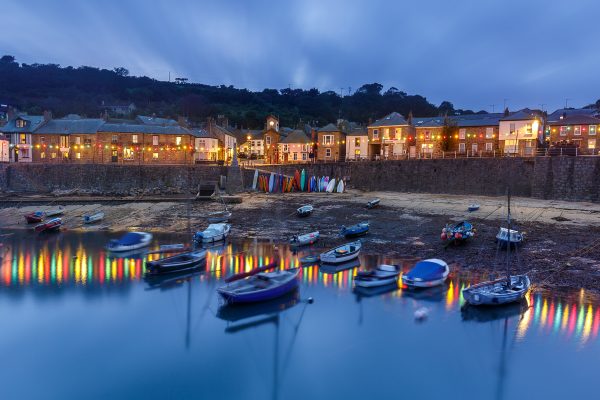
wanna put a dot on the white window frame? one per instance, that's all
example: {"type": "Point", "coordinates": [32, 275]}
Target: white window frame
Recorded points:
{"type": "Point", "coordinates": [328, 140]}
{"type": "Point", "coordinates": [155, 155]}
{"type": "Point", "coordinates": [462, 147]}
{"type": "Point", "coordinates": [177, 140]}
{"type": "Point", "coordinates": [462, 133]}
{"type": "Point", "coordinates": [77, 139]}
{"type": "Point", "coordinates": [562, 131]}
{"type": "Point", "coordinates": [512, 128]}
{"type": "Point", "coordinates": [489, 146]}
{"type": "Point", "coordinates": [328, 153]}
{"type": "Point", "coordinates": [134, 139]}
{"type": "Point", "coordinates": [592, 130]}
{"type": "Point", "coordinates": [474, 148]}
{"type": "Point", "coordinates": [375, 134]}
{"type": "Point", "coordinates": [489, 133]}
{"type": "Point", "coordinates": [577, 130]}
{"type": "Point", "coordinates": [154, 140]}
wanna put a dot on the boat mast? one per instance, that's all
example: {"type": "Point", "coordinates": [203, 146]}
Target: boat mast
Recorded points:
{"type": "Point", "coordinates": [508, 244]}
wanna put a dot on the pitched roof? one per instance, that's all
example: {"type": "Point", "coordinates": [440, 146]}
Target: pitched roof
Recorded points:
{"type": "Point", "coordinates": [142, 128]}
{"type": "Point", "coordinates": [428, 122]}
{"type": "Point", "coordinates": [297, 136]}
{"type": "Point", "coordinates": [67, 126]}
{"type": "Point", "coordinates": [576, 120]}
{"type": "Point", "coordinates": [392, 119]}
{"type": "Point", "coordinates": [521, 115]}
{"type": "Point", "coordinates": [477, 120]}
{"type": "Point", "coordinates": [329, 128]}
{"type": "Point", "coordinates": [201, 133]}
{"type": "Point", "coordinates": [32, 123]}
{"type": "Point", "coordinates": [155, 120]}
{"type": "Point", "coordinates": [556, 115]}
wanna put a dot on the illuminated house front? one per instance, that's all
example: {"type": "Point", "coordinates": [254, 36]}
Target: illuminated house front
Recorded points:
{"type": "Point", "coordinates": [294, 148]}
{"type": "Point", "coordinates": [388, 137]}
{"type": "Point", "coordinates": [519, 132]}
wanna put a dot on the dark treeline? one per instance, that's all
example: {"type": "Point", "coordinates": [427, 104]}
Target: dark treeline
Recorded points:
{"type": "Point", "coordinates": [65, 90]}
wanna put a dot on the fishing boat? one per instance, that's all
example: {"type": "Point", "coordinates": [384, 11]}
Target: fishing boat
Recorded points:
{"type": "Point", "coordinates": [359, 229]}
{"type": "Point", "coordinates": [383, 275]}
{"type": "Point", "coordinates": [213, 233]}
{"type": "Point", "coordinates": [259, 287]}
{"type": "Point", "coordinates": [516, 238]}
{"type": "Point", "coordinates": [177, 263]}
{"type": "Point", "coordinates": [34, 217]}
{"type": "Point", "coordinates": [427, 273]}
{"type": "Point", "coordinates": [219, 216]}
{"type": "Point", "coordinates": [305, 211]}
{"type": "Point", "coordinates": [54, 212]}
{"type": "Point", "coordinates": [130, 241]}
{"type": "Point", "coordinates": [500, 291]}
{"type": "Point", "coordinates": [92, 218]}
{"type": "Point", "coordinates": [458, 232]}
{"type": "Point", "coordinates": [473, 207]}
{"type": "Point", "coordinates": [303, 240]}
{"type": "Point", "coordinates": [309, 259]}
{"type": "Point", "coordinates": [49, 226]}
{"type": "Point", "coordinates": [342, 254]}
{"type": "Point", "coordinates": [373, 203]}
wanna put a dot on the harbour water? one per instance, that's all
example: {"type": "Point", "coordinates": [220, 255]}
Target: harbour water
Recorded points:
{"type": "Point", "coordinates": [79, 323]}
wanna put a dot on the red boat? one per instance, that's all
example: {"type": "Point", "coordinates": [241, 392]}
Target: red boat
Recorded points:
{"type": "Point", "coordinates": [34, 217]}
{"type": "Point", "coordinates": [49, 226]}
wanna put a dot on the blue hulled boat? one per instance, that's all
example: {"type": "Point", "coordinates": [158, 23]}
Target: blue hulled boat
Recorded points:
{"type": "Point", "coordinates": [130, 241]}
{"type": "Point", "coordinates": [458, 232]}
{"type": "Point", "coordinates": [355, 230]}
{"type": "Point", "coordinates": [260, 287]}
{"type": "Point", "coordinates": [427, 273]}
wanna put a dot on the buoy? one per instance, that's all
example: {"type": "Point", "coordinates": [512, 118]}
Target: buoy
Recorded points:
{"type": "Point", "coordinates": [421, 314]}
{"type": "Point", "coordinates": [459, 236]}
{"type": "Point", "coordinates": [311, 300]}
{"type": "Point", "coordinates": [443, 230]}
{"type": "Point", "coordinates": [444, 237]}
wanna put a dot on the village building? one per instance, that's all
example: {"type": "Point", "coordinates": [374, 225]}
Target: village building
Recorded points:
{"type": "Point", "coordinates": [18, 130]}
{"type": "Point", "coordinates": [331, 142]}
{"type": "Point", "coordinates": [206, 146]}
{"type": "Point", "coordinates": [357, 144]}
{"type": "Point", "coordinates": [580, 131]}
{"type": "Point", "coordinates": [271, 137]}
{"type": "Point", "coordinates": [227, 135]}
{"type": "Point", "coordinates": [388, 137]}
{"type": "Point", "coordinates": [475, 135]}
{"type": "Point", "coordinates": [295, 147]}
{"type": "Point", "coordinates": [252, 143]}
{"type": "Point", "coordinates": [428, 137]}
{"type": "Point", "coordinates": [519, 132]}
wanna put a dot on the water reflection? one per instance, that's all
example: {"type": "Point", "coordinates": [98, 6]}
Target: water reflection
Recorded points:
{"type": "Point", "coordinates": [68, 260]}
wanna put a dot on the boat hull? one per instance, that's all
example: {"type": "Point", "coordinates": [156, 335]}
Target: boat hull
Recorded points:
{"type": "Point", "coordinates": [175, 264]}
{"type": "Point", "coordinates": [375, 282]}
{"type": "Point", "coordinates": [481, 294]}
{"type": "Point", "coordinates": [33, 218]}
{"type": "Point", "coordinates": [423, 284]}
{"type": "Point", "coordinates": [258, 296]}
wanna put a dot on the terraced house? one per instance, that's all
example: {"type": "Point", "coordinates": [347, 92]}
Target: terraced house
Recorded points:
{"type": "Point", "coordinates": [520, 132]}
{"type": "Point", "coordinates": [579, 130]}
{"type": "Point", "coordinates": [331, 142]}
{"type": "Point", "coordinates": [388, 137]}
{"type": "Point", "coordinates": [19, 130]}
{"type": "Point", "coordinates": [295, 147]}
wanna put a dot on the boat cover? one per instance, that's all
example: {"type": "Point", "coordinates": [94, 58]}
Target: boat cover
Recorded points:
{"type": "Point", "coordinates": [130, 238]}
{"type": "Point", "coordinates": [427, 270]}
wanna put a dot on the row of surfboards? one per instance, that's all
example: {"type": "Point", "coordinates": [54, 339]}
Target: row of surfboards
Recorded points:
{"type": "Point", "coordinates": [300, 182]}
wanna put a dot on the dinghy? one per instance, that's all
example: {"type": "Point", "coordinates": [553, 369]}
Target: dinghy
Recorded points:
{"type": "Point", "coordinates": [373, 203]}
{"type": "Point", "coordinates": [213, 233]}
{"type": "Point", "coordinates": [342, 254]}
{"type": "Point", "coordinates": [305, 211]}
{"type": "Point", "coordinates": [176, 263]}
{"type": "Point", "coordinates": [92, 218]}
{"type": "Point", "coordinates": [260, 287]}
{"type": "Point", "coordinates": [34, 217]}
{"type": "Point", "coordinates": [130, 241]}
{"type": "Point", "coordinates": [473, 207]}
{"type": "Point", "coordinates": [501, 291]}
{"type": "Point", "coordinates": [55, 211]}
{"type": "Point", "coordinates": [359, 229]}
{"type": "Point", "coordinates": [218, 216]}
{"type": "Point", "coordinates": [310, 259]}
{"type": "Point", "coordinates": [515, 239]}
{"type": "Point", "coordinates": [427, 273]}
{"type": "Point", "coordinates": [52, 225]}
{"type": "Point", "coordinates": [458, 232]}
{"type": "Point", "coordinates": [380, 276]}
{"type": "Point", "coordinates": [303, 240]}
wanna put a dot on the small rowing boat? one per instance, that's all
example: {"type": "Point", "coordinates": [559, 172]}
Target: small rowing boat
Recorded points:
{"type": "Point", "coordinates": [92, 218]}
{"type": "Point", "coordinates": [342, 254]}
{"type": "Point", "coordinates": [359, 229]}
{"type": "Point", "coordinates": [305, 211]}
{"type": "Point", "coordinates": [473, 207]}
{"type": "Point", "coordinates": [516, 238]}
{"type": "Point", "coordinates": [380, 276]}
{"type": "Point", "coordinates": [214, 233]}
{"type": "Point", "coordinates": [177, 263]}
{"type": "Point", "coordinates": [52, 225]}
{"type": "Point", "coordinates": [306, 239]}
{"type": "Point", "coordinates": [458, 232]}
{"type": "Point", "coordinates": [130, 241]}
{"type": "Point", "coordinates": [500, 291]}
{"type": "Point", "coordinates": [427, 273]}
{"type": "Point", "coordinates": [373, 203]}
{"type": "Point", "coordinates": [259, 287]}
{"type": "Point", "coordinates": [34, 217]}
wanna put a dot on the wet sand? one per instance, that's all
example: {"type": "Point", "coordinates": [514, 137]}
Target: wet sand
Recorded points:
{"type": "Point", "coordinates": [562, 249]}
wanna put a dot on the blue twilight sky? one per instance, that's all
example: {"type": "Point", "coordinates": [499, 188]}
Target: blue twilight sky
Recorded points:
{"type": "Point", "coordinates": [472, 53]}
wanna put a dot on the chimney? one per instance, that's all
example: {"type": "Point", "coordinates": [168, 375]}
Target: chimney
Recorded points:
{"type": "Point", "coordinates": [564, 115]}
{"type": "Point", "coordinates": [182, 121]}
{"type": "Point", "coordinates": [222, 121]}
{"type": "Point", "coordinates": [11, 113]}
{"type": "Point", "coordinates": [47, 116]}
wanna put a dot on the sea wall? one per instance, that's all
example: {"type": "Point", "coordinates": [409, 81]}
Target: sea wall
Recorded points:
{"type": "Point", "coordinates": [567, 178]}
{"type": "Point", "coordinates": [100, 179]}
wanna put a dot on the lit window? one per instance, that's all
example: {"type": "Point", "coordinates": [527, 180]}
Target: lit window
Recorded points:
{"type": "Point", "coordinates": [77, 139]}
{"type": "Point", "coordinates": [155, 141]}
{"type": "Point", "coordinates": [78, 156]}
{"type": "Point", "coordinates": [375, 133]}
{"type": "Point", "coordinates": [20, 123]}
{"type": "Point", "coordinates": [528, 128]}
{"type": "Point", "coordinates": [592, 144]}
{"type": "Point", "coordinates": [178, 140]}
{"type": "Point", "coordinates": [357, 142]}
{"type": "Point", "coordinates": [155, 156]}
{"type": "Point", "coordinates": [128, 153]}
{"type": "Point", "coordinates": [43, 154]}
{"type": "Point", "coordinates": [328, 139]}
{"type": "Point", "coordinates": [462, 133]}
{"type": "Point", "coordinates": [134, 138]}
{"type": "Point", "coordinates": [386, 133]}
{"type": "Point", "coordinates": [327, 152]}
{"type": "Point", "coordinates": [357, 152]}
{"type": "Point", "coordinates": [23, 138]}
{"type": "Point", "coordinates": [426, 135]}
{"type": "Point", "coordinates": [563, 131]}
{"type": "Point", "coordinates": [489, 146]}
{"type": "Point", "coordinates": [512, 128]}
{"type": "Point", "coordinates": [398, 133]}
{"type": "Point", "coordinates": [592, 130]}
{"type": "Point", "coordinates": [577, 130]}
{"type": "Point", "coordinates": [115, 138]}
{"type": "Point", "coordinates": [489, 133]}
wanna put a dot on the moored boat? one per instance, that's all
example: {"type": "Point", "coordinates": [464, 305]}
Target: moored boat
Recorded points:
{"type": "Point", "coordinates": [260, 287]}
{"type": "Point", "coordinates": [34, 217]}
{"type": "Point", "coordinates": [305, 211]}
{"type": "Point", "coordinates": [219, 216]}
{"type": "Point", "coordinates": [130, 241]}
{"type": "Point", "coordinates": [515, 239]}
{"type": "Point", "coordinates": [458, 232]}
{"type": "Point", "coordinates": [373, 203]}
{"type": "Point", "coordinates": [359, 229]}
{"type": "Point", "coordinates": [214, 233]}
{"type": "Point", "coordinates": [473, 207]}
{"type": "Point", "coordinates": [49, 226]}
{"type": "Point", "coordinates": [342, 254]}
{"type": "Point", "coordinates": [427, 273]}
{"type": "Point", "coordinates": [176, 263]}
{"type": "Point", "coordinates": [92, 218]}
{"type": "Point", "coordinates": [306, 239]}
{"type": "Point", "coordinates": [500, 291]}
{"type": "Point", "coordinates": [55, 211]}
{"type": "Point", "coordinates": [381, 276]}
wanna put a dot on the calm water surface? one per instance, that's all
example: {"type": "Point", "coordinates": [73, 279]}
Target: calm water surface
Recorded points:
{"type": "Point", "coordinates": [77, 323]}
